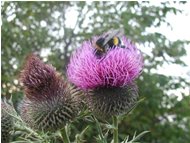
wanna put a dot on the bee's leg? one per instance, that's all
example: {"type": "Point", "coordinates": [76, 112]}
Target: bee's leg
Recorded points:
{"type": "Point", "coordinates": [122, 46]}
{"type": "Point", "coordinates": [98, 53]}
{"type": "Point", "coordinates": [102, 59]}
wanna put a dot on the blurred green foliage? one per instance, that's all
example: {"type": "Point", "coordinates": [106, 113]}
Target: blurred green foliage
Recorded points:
{"type": "Point", "coordinates": [42, 27]}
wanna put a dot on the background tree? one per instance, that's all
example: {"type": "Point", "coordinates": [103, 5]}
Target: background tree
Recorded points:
{"type": "Point", "coordinates": [46, 29]}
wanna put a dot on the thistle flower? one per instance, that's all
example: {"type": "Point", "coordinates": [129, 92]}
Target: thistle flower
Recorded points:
{"type": "Point", "coordinates": [6, 121]}
{"type": "Point", "coordinates": [48, 103]}
{"type": "Point", "coordinates": [109, 78]}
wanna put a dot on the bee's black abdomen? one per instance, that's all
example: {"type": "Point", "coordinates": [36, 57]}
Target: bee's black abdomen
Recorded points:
{"type": "Point", "coordinates": [111, 43]}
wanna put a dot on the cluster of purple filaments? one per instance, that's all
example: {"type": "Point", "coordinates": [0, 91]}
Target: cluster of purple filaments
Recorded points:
{"type": "Point", "coordinates": [117, 67]}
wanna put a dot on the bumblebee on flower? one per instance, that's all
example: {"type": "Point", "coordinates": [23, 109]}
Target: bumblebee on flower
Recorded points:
{"type": "Point", "coordinates": [107, 66]}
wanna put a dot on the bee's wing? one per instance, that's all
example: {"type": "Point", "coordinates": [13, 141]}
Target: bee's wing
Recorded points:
{"type": "Point", "coordinates": [112, 33]}
{"type": "Point", "coordinates": [121, 32]}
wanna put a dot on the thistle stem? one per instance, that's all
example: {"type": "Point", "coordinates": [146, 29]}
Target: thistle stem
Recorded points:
{"type": "Point", "coordinates": [99, 130]}
{"type": "Point", "coordinates": [65, 135]}
{"type": "Point", "coordinates": [115, 130]}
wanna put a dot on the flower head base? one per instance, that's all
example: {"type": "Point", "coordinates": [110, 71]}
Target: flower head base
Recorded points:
{"type": "Point", "coordinates": [6, 121]}
{"type": "Point", "coordinates": [49, 103]}
{"type": "Point", "coordinates": [118, 67]}
{"type": "Point", "coordinates": [105, 102]}
{"type": "Point", "coordinates": [49, 115]}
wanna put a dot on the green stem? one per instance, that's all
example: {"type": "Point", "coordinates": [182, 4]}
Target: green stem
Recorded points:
{"type": "Point", "coordinates": [99, 130]}
{"type": "Point", "coordinates": [115, 132]}
{"type": "Point", "coordinates": [65, 135]}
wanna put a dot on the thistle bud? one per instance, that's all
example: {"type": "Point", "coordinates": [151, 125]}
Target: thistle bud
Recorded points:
{"type": "Point", "coordinates": [49, 102]}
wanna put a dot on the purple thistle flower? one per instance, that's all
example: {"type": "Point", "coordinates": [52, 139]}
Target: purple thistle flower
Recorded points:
{"type": "Point", "coordinates": [118, 67]}
{"type": "Point", "coordinates": [109, 79]}
{"type": "Point", "coordinates": [49, 102]}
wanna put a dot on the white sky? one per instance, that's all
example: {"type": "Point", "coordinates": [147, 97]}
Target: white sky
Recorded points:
{"type": "Point", "coordinates": [180, 31]}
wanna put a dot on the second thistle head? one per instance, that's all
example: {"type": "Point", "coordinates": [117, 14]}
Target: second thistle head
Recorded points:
{"type": "Point", "coordinates": [48, 103]}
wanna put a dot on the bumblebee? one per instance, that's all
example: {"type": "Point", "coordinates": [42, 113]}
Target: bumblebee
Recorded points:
{"type": "Point", "coordinates": [109, 40]}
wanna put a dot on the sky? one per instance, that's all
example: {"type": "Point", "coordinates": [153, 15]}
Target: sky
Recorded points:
{"type": "Point", "coordinates": [180, 24]}
{"type": "Point", "coordinates": [180, 31]}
